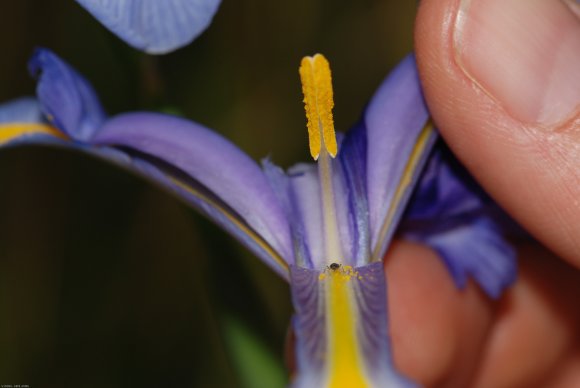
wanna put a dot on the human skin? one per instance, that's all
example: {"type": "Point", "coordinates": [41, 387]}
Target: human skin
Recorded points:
{"type": "Point", "coordinates": [444, 337]}
{"type": "Point", "coordinates": [502, 81]}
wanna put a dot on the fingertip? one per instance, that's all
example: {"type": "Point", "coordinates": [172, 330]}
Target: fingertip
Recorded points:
{"type": "Point", "coordinates": [534, 335]}
{"type": "Point", "coordinates": [436, 330]}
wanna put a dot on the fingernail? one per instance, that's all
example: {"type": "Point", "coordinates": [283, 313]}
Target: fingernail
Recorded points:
{"type": "Point", "coordinates": [523, 53]}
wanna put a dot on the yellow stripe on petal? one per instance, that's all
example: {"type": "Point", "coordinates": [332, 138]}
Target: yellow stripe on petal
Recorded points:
{"type": "Point", "coordinates": [13, 131]}
{"type": "Point", "coordinates": [341, 328]}
{"type": "Point", "coordinates": [318, 103]}
{"type": "Point", "coordinates": [345, 362]}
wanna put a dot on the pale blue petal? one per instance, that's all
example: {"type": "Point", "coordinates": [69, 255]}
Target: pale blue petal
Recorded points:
{"type": "Point", "coordinates": [282, 187]}
{"type": "Point", "coordinates": [154, 26]}
{"type": "Point", "coordinates": [21, 110]}
{"type": "Point", "coordinates": [22, 122]}
{"type": "Point", "coordinates": [307, 204]}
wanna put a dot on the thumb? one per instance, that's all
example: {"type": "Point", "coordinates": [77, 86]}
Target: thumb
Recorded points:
{"type": "Point", "coordinates": [502, 80]}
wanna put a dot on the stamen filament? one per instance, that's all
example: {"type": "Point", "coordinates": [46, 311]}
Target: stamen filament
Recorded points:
{"type": "Point", "coordinates": [318, 103]}
{"type": "Point", "coordinates": [331, 236]}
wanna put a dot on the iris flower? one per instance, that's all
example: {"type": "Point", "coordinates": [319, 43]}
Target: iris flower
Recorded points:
{"type": "Point", "coordinates": [153, 26]}
{"type": "Point", "coordinates": [324, 226]}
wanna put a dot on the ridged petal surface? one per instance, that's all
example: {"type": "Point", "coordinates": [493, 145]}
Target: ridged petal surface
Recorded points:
{"type": "Point", "coordinates": [326, 326]}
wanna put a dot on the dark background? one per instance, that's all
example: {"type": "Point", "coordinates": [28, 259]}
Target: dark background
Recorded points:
{"type": "Point", "coordinates": [106, 281]}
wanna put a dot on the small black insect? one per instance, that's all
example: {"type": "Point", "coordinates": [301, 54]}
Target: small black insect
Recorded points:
{"type": "Point", "coordinates": [334, 266]}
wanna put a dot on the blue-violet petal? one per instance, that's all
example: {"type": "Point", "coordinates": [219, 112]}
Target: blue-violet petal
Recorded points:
{"type": "Point", "coordinates": [66, 97]}
{"type": "Point", "coordinates": [452, 214]}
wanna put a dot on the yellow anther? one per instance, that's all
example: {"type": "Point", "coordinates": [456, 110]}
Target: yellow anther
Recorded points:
{"type": "Point", "coordinates": [318, 103]}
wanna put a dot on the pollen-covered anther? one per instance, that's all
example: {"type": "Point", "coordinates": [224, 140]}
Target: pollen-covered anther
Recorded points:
{"type": "Point", "coordinates": [318, 103]}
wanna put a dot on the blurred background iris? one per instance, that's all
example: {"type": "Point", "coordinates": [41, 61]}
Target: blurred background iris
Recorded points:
{"type": "Point", "coordinates": [106, 281]}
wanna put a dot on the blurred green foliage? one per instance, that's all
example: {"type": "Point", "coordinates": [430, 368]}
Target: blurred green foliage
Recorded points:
{"type": "Point", "coordinates": [106, 281]}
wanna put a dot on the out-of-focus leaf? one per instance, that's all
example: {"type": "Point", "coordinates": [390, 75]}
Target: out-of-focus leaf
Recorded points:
{"type": "Point", "coordinates": [256, 364]}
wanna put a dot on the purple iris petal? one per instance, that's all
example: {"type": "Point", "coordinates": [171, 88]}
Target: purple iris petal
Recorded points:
{"type": "Point", "coordinates": [312, 324]}
{"type": "Point", "coordinates": [24, 113]}
{"type": "Point", "coordinates": [445, 189]}
{"type": "Point", "coordinates": [478, 250]}
{"type": "Point", "coordinates": [175, 182]}
{"type": "Point", "coordinates": [394, 120]}
{"type": "Point", "coordinates": [71, 104]}
{"type": "Point", "coordinates": [453, 215]}
{"type": "Point", "coordinates": [309, 325]}
{"type": "Point", "coordinates": [22, 110]}
{"type": "Point", "coordinates": [210, 160]}
{"type": "Point", "coordinates": [154, 26]}
{"type": "Point", "coordinates": [66, 97]}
